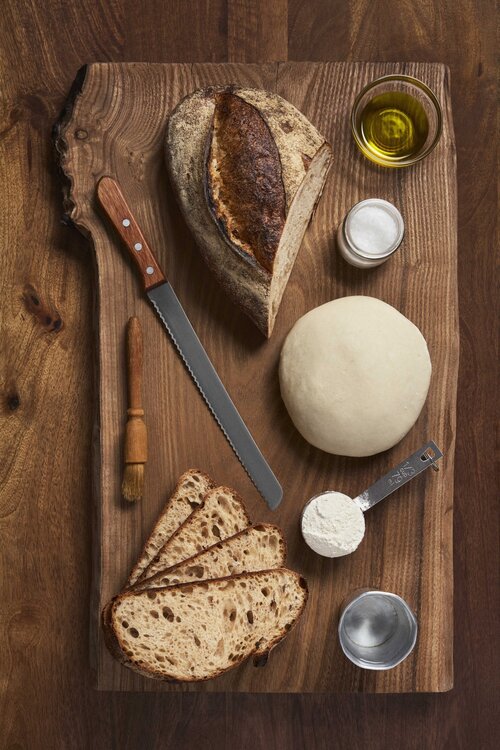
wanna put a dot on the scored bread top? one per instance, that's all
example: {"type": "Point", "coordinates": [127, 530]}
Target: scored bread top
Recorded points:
{"type": "Point", "coordinates": [221, 514]}
{"type": "Point", "coordinates": [187, 495]}
{"type": "Point", "coordinates": [259, 547]}
{"type": "Point", "coordinates": [198, 631]}
{"type": "Point", "coordinates": [243, 180]}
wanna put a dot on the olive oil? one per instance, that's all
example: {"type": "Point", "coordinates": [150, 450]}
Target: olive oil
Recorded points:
{"type": "Point", "coordinates": [394, 126]}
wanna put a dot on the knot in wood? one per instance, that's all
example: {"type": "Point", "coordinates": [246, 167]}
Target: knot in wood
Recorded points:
{"type": "Point", "coordinates": [13, 401]}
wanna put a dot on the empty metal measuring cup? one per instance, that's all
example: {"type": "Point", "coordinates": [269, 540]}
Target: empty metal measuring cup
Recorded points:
{"type": "Point", "coordinates": [377, 629]}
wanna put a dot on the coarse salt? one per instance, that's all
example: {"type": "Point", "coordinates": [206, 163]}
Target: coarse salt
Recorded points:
{"type": "Point", "coordinates": [370, 233]}
{"type": "Point", "coordinates": [373, 230]}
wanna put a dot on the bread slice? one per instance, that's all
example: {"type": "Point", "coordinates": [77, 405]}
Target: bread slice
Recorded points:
{"type": "Point", "coordinates": [248, 169]}
{"type": "Point", "coordinates": [197, 631]}
{"type": "Point", "coordinates": [188, 495]}
{"type": "Point", "coordinates": [221, 514]}
{"type": "Point", "coordinates": [259, 547]}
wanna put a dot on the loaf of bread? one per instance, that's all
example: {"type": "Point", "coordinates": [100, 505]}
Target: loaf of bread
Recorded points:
{"type": "Point", "coordinates": [197, 631]}
{"type": "Point", "coordinates": [221, 514]}
{"type": "Point", "coordinates": [188, 495]}
{"type": "Point", "coordinates": [248, 169]}
{"type": "Point", "coordinates": [259, 547]}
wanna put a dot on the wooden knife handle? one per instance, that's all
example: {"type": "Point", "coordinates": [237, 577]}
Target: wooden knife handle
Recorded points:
{"type": "Point", "coordinates": [134, 364]}
{"type": "Point", "coordinates": [114, 204]}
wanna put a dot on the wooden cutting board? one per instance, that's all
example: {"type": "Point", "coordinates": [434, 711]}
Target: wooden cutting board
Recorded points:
{"type": "Point", "coordinates": [114, 124]}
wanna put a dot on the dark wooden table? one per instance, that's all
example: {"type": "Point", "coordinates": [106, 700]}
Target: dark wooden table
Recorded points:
{"type": "Point", "coordinates": [47, 385]}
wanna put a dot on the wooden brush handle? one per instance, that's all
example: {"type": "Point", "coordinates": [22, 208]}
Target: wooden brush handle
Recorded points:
{"type": "Point", "coordinates": [135, 434]}
{"type": "Point", "coordinates": [134, 363]}
{"type": "Point", "coordinates": [114, 204]}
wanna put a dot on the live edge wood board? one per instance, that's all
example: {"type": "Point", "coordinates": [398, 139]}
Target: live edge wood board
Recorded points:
{"type": "Point", "coordinates": [114, 124]}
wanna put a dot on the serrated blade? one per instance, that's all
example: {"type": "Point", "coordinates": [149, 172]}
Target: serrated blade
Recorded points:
{"type": "Point", "coordinates": [202, 371]}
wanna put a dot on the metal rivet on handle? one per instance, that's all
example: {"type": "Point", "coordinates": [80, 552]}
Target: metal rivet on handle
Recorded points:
{"type": "Point", "coordinates": [126, 222]}
{"type": "Point", "coordinates": [138, 247]}
{"type": "Point", "coordinates": [150, 270]}
{"type": "Point", "coordinates": [429, 456]}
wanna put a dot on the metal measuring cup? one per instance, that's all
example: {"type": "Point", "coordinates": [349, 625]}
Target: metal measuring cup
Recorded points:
{"type": "Point", "coordinates": [411, 467]}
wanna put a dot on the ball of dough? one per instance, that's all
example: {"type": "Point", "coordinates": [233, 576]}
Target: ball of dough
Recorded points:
{"type": "Point", "coordinates": [354, 376]}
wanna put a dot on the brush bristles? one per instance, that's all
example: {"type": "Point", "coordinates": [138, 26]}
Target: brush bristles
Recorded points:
{"type": "Point", "coordinates": [133, 482]}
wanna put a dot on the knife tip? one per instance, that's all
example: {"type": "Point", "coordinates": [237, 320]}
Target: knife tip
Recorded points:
{"type": "Point", "coordinates": [274, 498]}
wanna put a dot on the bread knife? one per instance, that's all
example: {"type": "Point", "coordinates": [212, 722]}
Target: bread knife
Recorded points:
{"type": "Point", "coordinates": [175, 320]}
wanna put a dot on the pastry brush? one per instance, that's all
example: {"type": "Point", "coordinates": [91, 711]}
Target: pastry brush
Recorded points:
{"type": "Point", "coordinates": [136, 442]}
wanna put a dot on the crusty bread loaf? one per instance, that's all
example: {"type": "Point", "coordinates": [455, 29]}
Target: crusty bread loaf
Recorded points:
{"type": "Point", "coordinates": [197, 631]}
{"type": "Point", "coordinates": [188, 495]}
{"type": "Point", "coordinates": [259, 547]}
{"type": "Point", "coordinates": [248, 169]}
{"type": "Point", "coordinates": [221, 514]}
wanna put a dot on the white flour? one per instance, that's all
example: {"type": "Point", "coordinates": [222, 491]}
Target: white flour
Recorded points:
{"type": "Point", "coordinates": [333, 525]}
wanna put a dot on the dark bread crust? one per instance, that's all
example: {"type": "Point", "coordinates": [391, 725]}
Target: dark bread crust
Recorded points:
{"type": "Point", "coordinates": [193, 559]}
{"type": "Point", "coordinates": [117, 650]}
{"type": "Point", "coordinates": [243, 180]}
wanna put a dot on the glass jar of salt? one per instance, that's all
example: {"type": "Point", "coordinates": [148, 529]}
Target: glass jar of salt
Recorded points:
{"type": "Point", "coordinates": [370, 233]}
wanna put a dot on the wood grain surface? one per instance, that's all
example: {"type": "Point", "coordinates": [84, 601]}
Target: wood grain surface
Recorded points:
{"type": "Point", "coordinates": [47, 384]}
{"type": "Point", "coordinates": [408, 547]}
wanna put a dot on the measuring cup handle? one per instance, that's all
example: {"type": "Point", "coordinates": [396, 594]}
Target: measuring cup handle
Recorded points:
{"type": "Point", "coordinates": [400, 475]}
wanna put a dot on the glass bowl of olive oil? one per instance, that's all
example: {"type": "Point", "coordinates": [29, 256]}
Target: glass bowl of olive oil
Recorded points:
{"type": "Point", "coordinates": [396, 121]}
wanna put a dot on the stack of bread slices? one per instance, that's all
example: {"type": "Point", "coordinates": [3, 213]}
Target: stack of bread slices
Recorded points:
{"type": "Point", "coordinates": [209, 589]}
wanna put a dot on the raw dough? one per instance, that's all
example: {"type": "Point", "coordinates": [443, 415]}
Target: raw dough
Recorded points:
{"type": "Point", "coordinates": [354, 376]}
